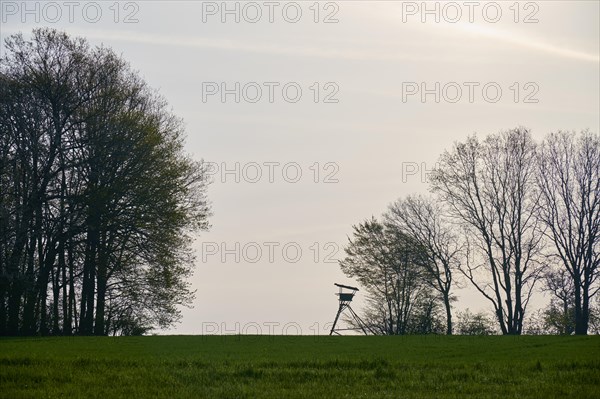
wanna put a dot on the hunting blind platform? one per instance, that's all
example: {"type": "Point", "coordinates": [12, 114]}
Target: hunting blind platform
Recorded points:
{"type": "Point", "coordinates": [345, 297]}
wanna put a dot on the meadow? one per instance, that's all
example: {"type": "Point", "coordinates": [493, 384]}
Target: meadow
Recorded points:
{"type": "Point", "coordinates": [300, 367]}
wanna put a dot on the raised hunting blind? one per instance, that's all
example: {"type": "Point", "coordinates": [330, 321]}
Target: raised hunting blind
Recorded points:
{"type": "Point", "coordinates": [345, 296]}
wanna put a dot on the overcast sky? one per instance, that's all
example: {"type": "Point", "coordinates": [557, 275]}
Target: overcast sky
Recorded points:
{"type": "Point", "coordinates": [343, 107]}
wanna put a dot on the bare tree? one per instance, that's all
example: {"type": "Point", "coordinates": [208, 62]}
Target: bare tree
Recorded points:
{"type": "Point", "coordinates": [389, 264]}
{"type": "Point", "coordinates": [423, 219]}
{"type": "Point", "coordinates": [489, 187]}
{"type": "Point", "coordinates": [569, 183]}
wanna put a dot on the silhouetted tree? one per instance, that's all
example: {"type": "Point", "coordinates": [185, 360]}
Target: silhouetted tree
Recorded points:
{"type": "Point", "coordinates": [423, 219]}
{"type": "Point", "coordinates": [489, 186]}
{"type": "Point", "coordinates": [98, 200]}
{"type": "Point", "coordinates": [389, 265]}
{"type": "Point", "coordinates": [569, 182]}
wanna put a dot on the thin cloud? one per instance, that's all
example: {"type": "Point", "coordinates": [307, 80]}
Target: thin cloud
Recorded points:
{"type": "Point", "coordinates": [521, 41]}
{"type": "Point", "coordinates": [238, 45]}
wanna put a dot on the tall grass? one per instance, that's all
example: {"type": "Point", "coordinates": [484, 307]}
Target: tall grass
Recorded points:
{"type": "Point", "coordinates": [300, 367]}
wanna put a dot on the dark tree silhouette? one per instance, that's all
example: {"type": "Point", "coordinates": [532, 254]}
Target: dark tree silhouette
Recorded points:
{"type": "Point", "coordinates": [424, 220]}
{"type": "Point", "coordinates": [507, 212]}
{"type": "Point", "coordinates": [98, 200]}
{"type": "Point", "coordinates": [490, 187]}
{"type": "Point", "coordinates": [389, 264]}
{"type": "Point", "coordinates": [569, 182]}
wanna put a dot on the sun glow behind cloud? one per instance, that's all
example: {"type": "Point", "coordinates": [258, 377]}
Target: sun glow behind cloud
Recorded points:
{"type": "Point", "coordinates": [513, 38]}
{"type": "Point", "coordinates": [396, 46]}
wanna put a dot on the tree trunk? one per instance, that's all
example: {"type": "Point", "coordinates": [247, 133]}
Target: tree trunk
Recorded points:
{"type": "Point", "coordinates": [30, 293]}
{"type": "Point", "coordinates": [448, 314]}
{"type": "Point", "coordinates": [86, 316]}
{"type": "Point", "coordinates": [72, 312]}
{"type": "Point", "coordinates": [66, 328]}
{"type": "Point", "coordinates": [580, 324]}
{"type": "Point", "coordinates": [101, 289]}
{"type": "Point", "coordinates": [582, 327]}
{"type": "Point", "coordinates": [15, 288]}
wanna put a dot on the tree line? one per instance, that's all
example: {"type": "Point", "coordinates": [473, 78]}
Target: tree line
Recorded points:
{"type": "Point", "coordinates": [98, 200]}
{"type": "Point", "coordinates": [507, 215]}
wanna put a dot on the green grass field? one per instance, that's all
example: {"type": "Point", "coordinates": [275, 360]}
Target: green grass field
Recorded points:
{"type": "Point", "coordinates": [300, 367]}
